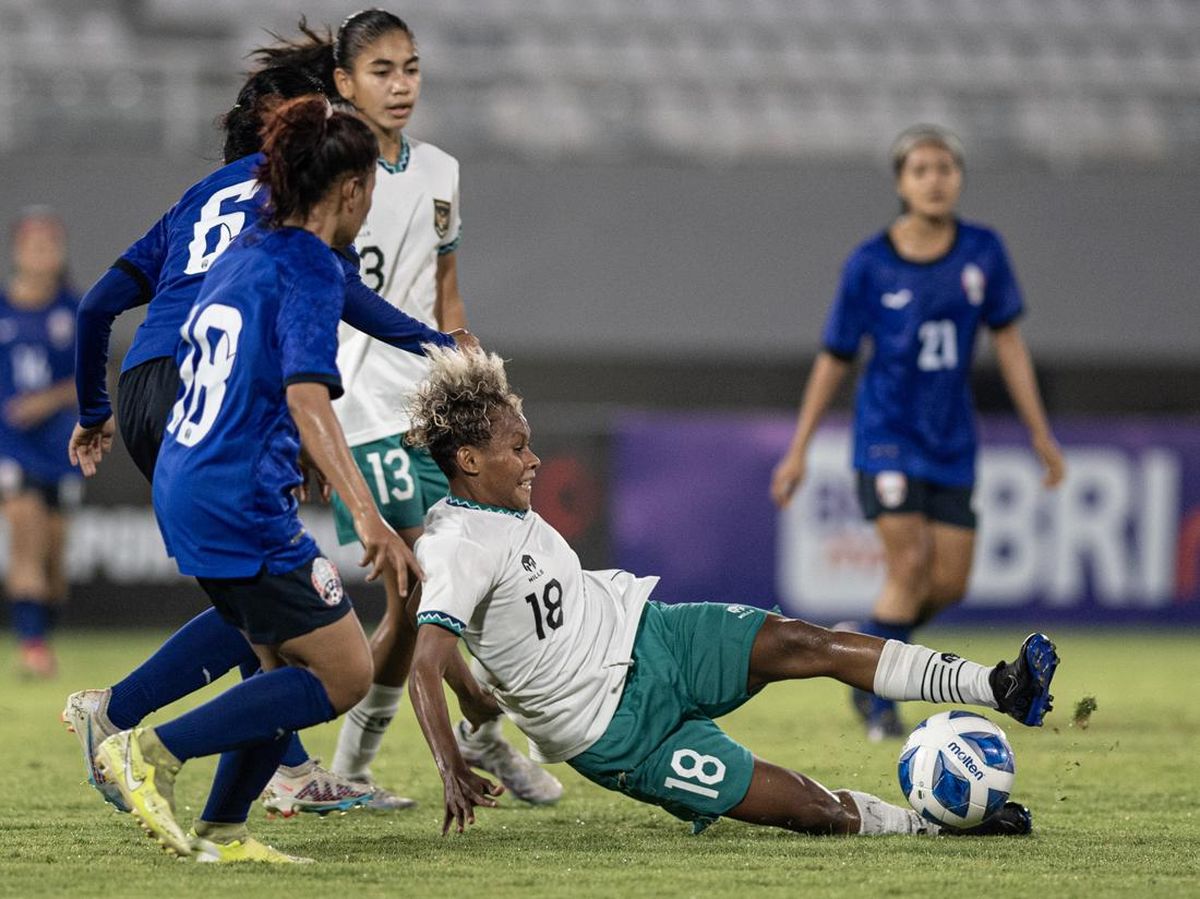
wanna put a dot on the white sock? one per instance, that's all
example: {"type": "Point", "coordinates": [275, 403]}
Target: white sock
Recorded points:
{"type": "Point", "coordinates": [911, 671]}
{"type": "Point", "coordinates": [362, 731]}
{"type": "Point", "coordinates": [487, 733]}
{"type": "Point", "coordinates": [878, 817]}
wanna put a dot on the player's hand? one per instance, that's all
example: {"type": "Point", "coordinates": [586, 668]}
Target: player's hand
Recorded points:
{"type": "Point", "coordinates": [463, 790]}
{"type": "Point", "coordinates": [787, 478]}
{"type": "Point", "coordinates": [87, 446]}
{"type": "Point", "coordinates": [464, 339]}
{"type": "Point", "coordinates": [385, 553]}
{"type": "Point", "coordinates": [1050, 453]}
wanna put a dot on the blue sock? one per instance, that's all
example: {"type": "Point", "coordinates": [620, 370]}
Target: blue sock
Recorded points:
{"type": "Point", "coordinates": [258, 710]}
{"type": "Point", "coordinates": [886, 630]}
{"type": "Point", "coordinates": [294, 753]}
{"type": "Point", "coordinates": [193, 657]}
{"type": "Point", "coordinates": [241, 777]}
{"type": "Point", "coordinates": [30, 619]}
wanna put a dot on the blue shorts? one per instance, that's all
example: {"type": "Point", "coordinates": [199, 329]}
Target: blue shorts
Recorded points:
{"type": "Point", "coordinates": [691, 664]}
{"type": "Point", "coordinates": [273, 608]}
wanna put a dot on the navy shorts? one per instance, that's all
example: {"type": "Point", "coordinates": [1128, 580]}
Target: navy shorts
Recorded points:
{"type": "Point", "coordinates": [894, 493]}
{"type": "Point", "coordinates": [145, 397]}
{"type": "Point", "coordinates": [273, 608]}
{"type": "Point", "coordinates": [64, 493]}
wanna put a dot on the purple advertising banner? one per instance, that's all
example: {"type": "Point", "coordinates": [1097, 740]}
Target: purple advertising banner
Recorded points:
{"type": "Point", "coordinates": [1117, 542]}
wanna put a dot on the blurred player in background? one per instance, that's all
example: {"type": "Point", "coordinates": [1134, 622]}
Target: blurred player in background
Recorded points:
{"type": "Point", "coordinates": [623, 688]}
{"type": "Point", "coordinates": [919, 291]}
{"type": "Point", "coordinates": [409, 249]}
{"type": "Point", "coordinates": [258, 364]}
{"type": "Point", "coordinates": [37, 410]}
{"type": "Point", "coordinates": [166, 269]}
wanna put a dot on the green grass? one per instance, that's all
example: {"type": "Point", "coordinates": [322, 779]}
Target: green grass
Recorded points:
{"type": "Point", "coordinates": [1115, 805]}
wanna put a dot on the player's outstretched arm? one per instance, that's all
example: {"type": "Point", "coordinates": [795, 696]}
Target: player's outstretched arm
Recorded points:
{"type": "Point", "coordinates": [827, 375]}
{"type": "Point", "coordinates": [433, 657]}
{"type": "Point", "coordinates": [1016, 367]}
{"type": "Point", "coordinates": [322, 439]}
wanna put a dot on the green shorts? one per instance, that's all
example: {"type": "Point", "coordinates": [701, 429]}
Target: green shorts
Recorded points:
{"type": "Point", "coordinates": [690, 665]}
{"type": "Point", "coordinates": [404, 481]}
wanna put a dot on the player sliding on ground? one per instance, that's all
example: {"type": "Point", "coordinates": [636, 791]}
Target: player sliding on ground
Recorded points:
{"type": "Point", "coordinates": [624, 689]}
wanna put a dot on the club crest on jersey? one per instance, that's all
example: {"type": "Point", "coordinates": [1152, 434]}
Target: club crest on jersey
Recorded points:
{"type": "Point", "coordinates": [892, 488]}
{"type": "Point", "coordinates": [441, 217]}
{"type": "Point", "coordinates": [326, 581]}
{"type": "Point", "coordinates": [61, 328]}
{"type": "Point", "coordinates": [974, 283]}
{"type": "Point", "coordinates": [897, 300]}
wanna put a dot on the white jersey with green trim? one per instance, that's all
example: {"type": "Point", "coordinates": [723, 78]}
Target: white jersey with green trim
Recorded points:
{"type": "Point", "coordinates": [556, 640]}
{"type": "Point", "coordinates": [414, 219]}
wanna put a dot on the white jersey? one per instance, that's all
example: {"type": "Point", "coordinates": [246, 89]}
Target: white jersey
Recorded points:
{"type": "Point", "coordinates": [414, 219]}
{"type": "Point", "coordinates": [556, 640]}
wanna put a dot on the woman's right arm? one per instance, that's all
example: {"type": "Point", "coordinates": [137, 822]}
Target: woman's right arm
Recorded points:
{"type": "Point", "coordinates": [827, 374]}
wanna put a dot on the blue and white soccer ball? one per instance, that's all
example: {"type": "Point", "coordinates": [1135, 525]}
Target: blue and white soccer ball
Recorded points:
{"type": "Point", "coordinates": [957, 768]}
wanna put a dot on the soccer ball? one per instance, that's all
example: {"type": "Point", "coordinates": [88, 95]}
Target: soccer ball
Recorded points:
{"type": "Point", "coordinates": [957, 769]}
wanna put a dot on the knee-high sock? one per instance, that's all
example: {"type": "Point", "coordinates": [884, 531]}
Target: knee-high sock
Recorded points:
{"type": "Point", "coordinates": [30, 619]}
{"type": "Point", "coordinates": [259, 710]}
{"type": "Point", "coordinates": [363, 729]}
{"type": "Point", "coordinates": [886, 630]}
{"type": "Point", "coordinates": [294, 753]}
{"type": "Point", "coordinates": [912, 671]}
{"type": "Point", "coordinates": [242, 774]}
{"type": "Point", "coordinates": [193, 657]}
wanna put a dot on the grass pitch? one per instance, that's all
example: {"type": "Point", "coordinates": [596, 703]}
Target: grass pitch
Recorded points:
{"type": "Point", "coordinates": [1115, 803]}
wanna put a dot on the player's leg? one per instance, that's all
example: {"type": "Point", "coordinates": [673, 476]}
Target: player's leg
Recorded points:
{"type": "Point", "coordinates": [26, 582]}
{"type": "Point", "coordinates": [786, 649]}
{"type": "Point", "coordinates": [327, 670]}
{"type": "Point", "coordinates": [779, 797]}
{"type": "Point", "coordinates": [362, 731]}
{"type": "Point", "coordinates": [908, 559]}
{"type": "Point", "coordinates": [952, 530]}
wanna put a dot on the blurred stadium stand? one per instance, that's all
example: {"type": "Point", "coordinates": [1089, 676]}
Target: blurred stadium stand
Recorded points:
{"type": "Point", "coordinates": [1064, 81]}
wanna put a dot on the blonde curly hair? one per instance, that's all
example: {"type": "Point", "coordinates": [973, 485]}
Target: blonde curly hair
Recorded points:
{"type": "Point", "coordinates": [456, 404]}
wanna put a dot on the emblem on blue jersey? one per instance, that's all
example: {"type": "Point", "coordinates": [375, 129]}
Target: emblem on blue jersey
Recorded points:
{"type": "Point", "coordinates": [441, 217]}
{"type": "Point", "coordinates": [973, 282]}
{"type": "Point", "coordinates": [892, 488]}
{"type": "Point", "coordinates": [60, 326]}
{"type": "Point", "coordinates": [897, 300]}
{"type": "Point", "coordinates": [326, 581]}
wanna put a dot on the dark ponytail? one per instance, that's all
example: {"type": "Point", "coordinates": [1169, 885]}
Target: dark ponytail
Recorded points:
{"type": "Point", "coordinates": [243, 123]}
{"type": "Point", "coordinates": [312, 51]}
{"type": "Point", "coordinates": [309, 147]}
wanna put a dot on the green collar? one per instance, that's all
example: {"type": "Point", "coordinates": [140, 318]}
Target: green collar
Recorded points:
{"type": "Point", "coordinates": [482, 507]}
{"type": "Point", "coordinates": [401, 163]}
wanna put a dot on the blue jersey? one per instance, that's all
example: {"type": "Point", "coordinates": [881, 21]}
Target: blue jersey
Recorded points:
{"type": "Point", "coordinates": [37, 351]}
{"type": "Point", "coordinates": [166, 268]}
{"type": "Point", "coordinates": [914, 411]}
{"type": "Point", "coordinates": [175, 254]}
{"type": "Point", "coordinates": [267, 316]}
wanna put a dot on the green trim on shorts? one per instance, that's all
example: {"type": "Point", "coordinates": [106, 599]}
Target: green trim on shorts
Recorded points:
{"type": "Point", "coordinates": [404, 482]}
{"type": "Point", "coordinates": [691, 664]}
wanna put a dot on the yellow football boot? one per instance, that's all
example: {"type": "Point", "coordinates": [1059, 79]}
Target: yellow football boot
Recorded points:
{"type": "Point", "coordinates": [143, 771]}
